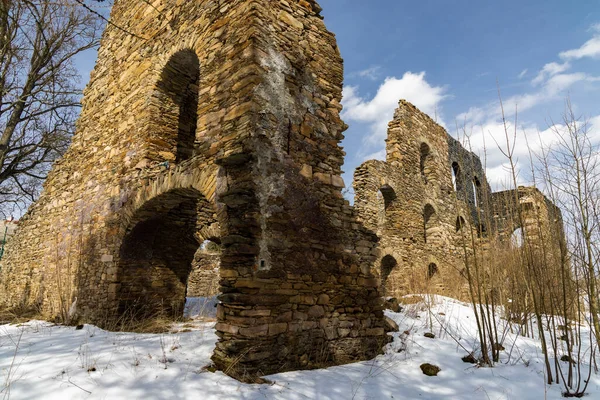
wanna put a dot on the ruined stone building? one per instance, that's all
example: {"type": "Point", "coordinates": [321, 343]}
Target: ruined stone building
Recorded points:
{"type": "Point", "coordinates": [219, 121]}
{"type": "Point", "coordinates": [432, 207]}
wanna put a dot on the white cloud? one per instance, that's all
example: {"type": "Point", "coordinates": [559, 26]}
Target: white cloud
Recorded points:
{"type": "Point", "coordinates": [379, 110]}
{"type": "Point", "coordinates": [555, 87]}
{"type": "Point", "coordinates": [559, 83]}
{"type": "Point", "coordinates": [549, 71]}
{"type": "Point", "coordinates": [591, 48]}
{"type": "Point", "coordinates": [523, 73]}
{"type": "Point", "coordinates": [371, 73]}
{"type": "Point", "coordinates": [488, 140]}
{"type": "Point", "coordinates": [552, 82]}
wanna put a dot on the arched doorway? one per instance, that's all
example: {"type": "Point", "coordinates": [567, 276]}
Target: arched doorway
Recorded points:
{"type": "Point", "coordinates": [156, 254]}
{"type": "Point", "coordinates": [516, 238]}
{"type": "Point", "coordinates": [457, 179]}
{"type": "Point", "coordinates": [432, 270]}
{"type": "Point", "coordinates": [460, 223]}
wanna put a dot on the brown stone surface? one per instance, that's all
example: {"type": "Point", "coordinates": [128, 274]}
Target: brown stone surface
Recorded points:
{"type": "Point", "coordinates": [203, 280]}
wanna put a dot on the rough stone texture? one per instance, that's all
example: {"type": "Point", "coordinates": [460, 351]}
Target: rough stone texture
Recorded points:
{"type": "Point", "coordinates": [431, 206]}
{"type": "Point", "coordinates": [204, 276]}
{"type": "Point", "coordinates": [222, 122]}
{"type": "Point", "coordinates": [410, 201]}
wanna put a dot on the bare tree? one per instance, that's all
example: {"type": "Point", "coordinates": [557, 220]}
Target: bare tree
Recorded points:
{"type": "Point", "coordinates": [39, 89]}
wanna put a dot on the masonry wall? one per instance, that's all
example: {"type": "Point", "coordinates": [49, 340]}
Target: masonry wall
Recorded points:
{"type": "Point", "coordinates": [310, 297]}
{"type": "Point", "coordinates": [432, 209]}
{"type": "Point", "coordinates": [412, 203]}
{"type": "Point", "coordinates": [207, 121]}
{"type": "Point", "coordinates": [204, 276]}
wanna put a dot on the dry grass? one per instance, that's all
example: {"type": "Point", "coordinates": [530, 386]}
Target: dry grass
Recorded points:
{"type": "Point", "coordinates": [18, 315]}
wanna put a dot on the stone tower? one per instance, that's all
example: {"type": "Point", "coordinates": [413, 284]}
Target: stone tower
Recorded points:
{"type": "Point", "coordinates": [212, 120]}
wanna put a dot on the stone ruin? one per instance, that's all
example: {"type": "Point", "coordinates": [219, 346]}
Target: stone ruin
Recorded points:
{"type": "Point", "coordinates": [209, 120]}
{"type": "Point", "coordinates": [429, 198]}
{"type": "Point", "coordinates": [219, 121]}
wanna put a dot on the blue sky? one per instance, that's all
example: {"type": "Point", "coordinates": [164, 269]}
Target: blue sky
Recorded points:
{"type": "Point", "coordinates": [446, 57]}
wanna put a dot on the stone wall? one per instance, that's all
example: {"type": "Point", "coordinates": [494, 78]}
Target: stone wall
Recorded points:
{"type": "Point", "coordinates": [204, 277]}
{"type": "Point", "coordinates": [212, 120]}
{"type": "Point", "coordinates": [410, 201]}
{"type": "Point", "coordinates": [433, 208]}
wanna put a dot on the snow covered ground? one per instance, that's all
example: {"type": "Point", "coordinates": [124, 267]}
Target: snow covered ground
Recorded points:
{"type": "Point", "coordinates": [39, 360]}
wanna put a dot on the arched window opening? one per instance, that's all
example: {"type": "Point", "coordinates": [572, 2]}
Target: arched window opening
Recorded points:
{"type": "Point", "coordinates": [388, 263]}
{"type": "Point", "coordinates": [426, 163]}
{"type": "Point", "coordinates": [432, 270]}
{"type": "Point", "coordinates": [456, 177]}
{"type": "Point", "coordinates": [389, 195]}
{"type": "Point", "coordinates": [211, 246]}
{"type": "Point", "coordinates": [476, 191]}
{"type": "Point", "coordinates": [460, 223]}
{"type": "Point", "coordinates": [428, 220]}
{"type": "Point", "coordinates": [177, 117]}
{"type": "Point", "coordinates": [516, 238]}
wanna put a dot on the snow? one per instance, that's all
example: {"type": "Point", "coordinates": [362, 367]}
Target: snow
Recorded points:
{"type": "Point", "coordinates": [40, 360]}
{"type": "Point", "coordinates": [200, 307]}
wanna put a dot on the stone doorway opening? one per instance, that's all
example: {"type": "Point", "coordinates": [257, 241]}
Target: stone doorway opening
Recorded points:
{"type": "Point", "coordinates": [157, 253]}
{"type": "Point", "coordinates": [203, 282]}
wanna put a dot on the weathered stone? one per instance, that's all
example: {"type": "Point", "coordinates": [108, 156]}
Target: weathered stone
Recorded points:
{"type": "Point", "coordinates": [222, 327]}
{"type": "Point", "coordinates": [255, 313]}
{"type": "Point", "coordinates": [323, 299]}
{"type": "Point", "coordinates": [316, 311]}
{"type": "Point", "coordinates": [276, 329]}
{"type": "Point", "coordinates": [391, 325]}
{"type": "Point", "coordinates": [258, 330]}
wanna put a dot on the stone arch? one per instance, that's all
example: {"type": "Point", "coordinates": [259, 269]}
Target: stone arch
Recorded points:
{"type": "Point", "coordinates": [156, 254]}
{"type": "Point", "coordinates": [476, 192]}
{"type": "Point", "coordinates": [426, 163]}
{"type": "Point", "coordinates": [387, 265]}
{"type": "Point", "coordinates": [481, 228]}
{"type": "Point", "coordinates": [174, 110]}
{"type": "Point", "coordinates": [389, 195]}
{"type": "Point", "coordinates": [432, 270]}
{"type": "Point", "coordinates": [162, 227]}
{"type": "Point", "coordinates": [460, 223]}
{"type": "Point", "coordinates": [385, 199]}
{"type": "Point", "coordinates": [516, 237]}
{"type": "Point", "coordinates": [194, 176]}
{"type": "Point", "coordinates": [429, 221]}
